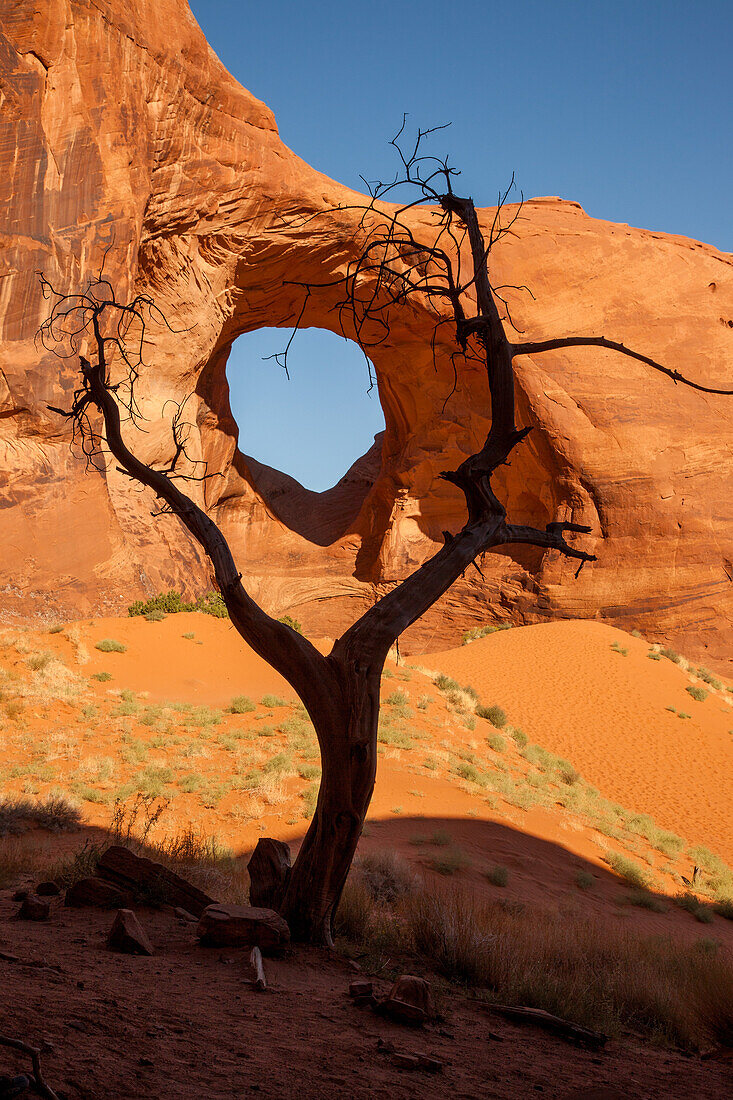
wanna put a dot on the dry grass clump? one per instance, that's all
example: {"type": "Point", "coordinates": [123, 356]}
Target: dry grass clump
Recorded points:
{"type": "Point", "coordinates": [589, 971]}
{"type": "Point", "coordinates": [55, 813]}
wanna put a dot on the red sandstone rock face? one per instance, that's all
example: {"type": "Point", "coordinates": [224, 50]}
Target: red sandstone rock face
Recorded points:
{"type": "Point", "coordinates": [121, 130]}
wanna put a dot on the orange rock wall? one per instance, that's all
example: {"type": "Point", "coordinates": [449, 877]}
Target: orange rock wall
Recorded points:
{"type": "Point", "coordinates": [121, 133]}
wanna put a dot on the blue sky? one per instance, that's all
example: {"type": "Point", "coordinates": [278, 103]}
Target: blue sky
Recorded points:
{"type": "Point", "coordinates": [624, 107]}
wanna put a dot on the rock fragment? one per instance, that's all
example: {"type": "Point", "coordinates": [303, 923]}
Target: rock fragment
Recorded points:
{"type": "Point", "coordinates": [242, 926]}
{"type": "Point", "coordinates": [128, 936]}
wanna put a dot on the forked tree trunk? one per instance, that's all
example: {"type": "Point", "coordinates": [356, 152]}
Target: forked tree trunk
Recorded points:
{"type": "Point", "coordinates": [341, 691]}
{"type": "Point", "coordinates": [347, 735]}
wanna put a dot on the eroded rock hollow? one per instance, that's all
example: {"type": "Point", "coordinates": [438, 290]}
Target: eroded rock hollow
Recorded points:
{"type": "Point", "coordinates": [122, 133]}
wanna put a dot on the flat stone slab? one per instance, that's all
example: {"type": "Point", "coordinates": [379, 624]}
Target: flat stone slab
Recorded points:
{"type": "Point", "coordinates": [242, 926]}
{"type": "Point", "coordinates": [125, 869]}
{"type": "Point", "coordinates": [95, 893]}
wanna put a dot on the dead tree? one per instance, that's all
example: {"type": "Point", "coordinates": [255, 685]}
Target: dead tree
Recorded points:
{"type": "Point", "coordinates": [449, 271]}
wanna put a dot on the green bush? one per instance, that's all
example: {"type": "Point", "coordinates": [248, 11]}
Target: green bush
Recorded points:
{"type": "Point", "coordinates": [697, 693]}
{"type": "Point", "coordinates": [397, 699]}
{"type": "Point", "coordinates": [103, 677]}
{"type": "Point", "coordinates": [286, 620]}
{"type": "Point", "coordinates": [496, 742]}
{"type": "Point", "coordinates": [584, 880]}
{"type": "Point", "coordinates": [172, 603]}
{"type": "Point", "coordinates": [155, 616]}
{"type": "Point", "coordinates": [483, 631]}
{"type": "Point", "coordinates": [446, 683]}
{"type": "Point", "coordinates": [519, 736]}
{"type": "Point", "coordinates": [704, 674]}
{"type": "Point", "coordinates": [109, 645]}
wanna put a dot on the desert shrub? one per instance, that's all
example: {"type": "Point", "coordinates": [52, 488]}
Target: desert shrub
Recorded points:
{"type": "Point", "coordinates": [708, 860]}
{"type": "Point", "coordinates": [387, 734]}
{"type": "Point", "coordinates": [211, 603]}
{"type": "Point", "coordinates": [189, 636]}
{"type": "Point", "coordinates": [310, 799]}
{"type": "Point", "coordinates": [423, 702]}
{"type": "Point", "coordinates": [518, 736]}
{"type": "Point", "coordinates": [698, 693]}
{"type": "Point", "coordinates": [155, 616]}
{"type": "Point", "coordinates": [654, 656]}
{"type": "Point", "coordinates": [483, 631]}
{"type": "Point", "coordinates": [386, 875]}
{"type": "Point", "coordinates": [170, 603]}
{"type": "Point", "coordinates": [670, 654]}
{"type": "Point", "coordinates": [566, 772]}
{"type": "Point", "coordinates": [642, 899]}
{"type": "Point", "coordinates": [446, 683]}
{"type": "Point", "coordinates": [103, 677]}
{"type": "Point", "coordinates": [584, 880]}
{"type": "Point", "coordinates": [287, 620]}
{"type": "Point", "coordinates": [681, 714]}
{"type": "Point", "coordinates": [54, 813]}
{"type": "Point", "coordinates": [273, 701]}
{"type": "Point", "coordinates": [541, 758]}
{"type": "Point", "coordinates": [709, 678]}
{"type": "Point", "coordinates": [626, 869]}
{"type": "Point", "coordinates": [241, 704]}
{"type": "Point", "coordinates": [498, 875]}
{"type": "Point", "coordinates": [38, 662]}
{"type": "Point", "coordinates": [397, 699]}
{"type": "Point", "coordinates": [694, 906]}
{"type": "Point", "coordinates": [278, 764]}
{"type": "Point", "coordinates": [471, 774]}
{"type": "Point", "coordinates": [724, 908]}
{"type": "Point", "coordinates": [449, 862]}
{"type": "Point", "coordinates": [619, 649]}
{"type": "Point", "coordinates": [109, 645]}
{"type": "Point", "coordinates": [190, 783]}
{"type": "Point", "coordinates": [496, 742]}
{"type": "Point", "coordinates": [309, 771]}
{"type": "Point", "coordinates": [55, 629]}
{"type": "Point", "coordinates": [493, 714]}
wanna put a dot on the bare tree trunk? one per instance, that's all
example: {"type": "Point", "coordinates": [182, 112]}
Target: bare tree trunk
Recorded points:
{"type": "Point", "coordinates": [347, 736]}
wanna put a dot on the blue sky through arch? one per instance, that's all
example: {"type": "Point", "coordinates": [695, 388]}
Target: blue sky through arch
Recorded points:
{"type": "Point", "coordinates": [314, 425]}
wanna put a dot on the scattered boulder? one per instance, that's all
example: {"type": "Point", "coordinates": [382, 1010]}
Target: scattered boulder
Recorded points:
{"type": "Point", "coordinates": [184, 916]}
{"type": "Point", "coordinates": [48, 889]}
{"type": "Point", "coordinates": [410, 1001]}
{"type": "Point", "coordinates": [95, 893]}
{"type": "Point", "coordinates": [269, 870]}
{"type": "Point", "coordinates": [128, 936]}
{"type": "Point", "coordinates": [34, 908]}
{"type": "Point", "coordinates": [242, 926]}
{"type": "Point", "coordinates": [152, 880]}
{"type": "Point", "coordinates": [362, 993]}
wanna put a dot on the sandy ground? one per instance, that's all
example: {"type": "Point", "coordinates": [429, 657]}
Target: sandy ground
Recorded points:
{"type": "Point", "coordinates": [158, 714]}
{"type": "Point", "coordinates": [564, 684]}
{"type": "Point", "coordinates": [185, 1025]}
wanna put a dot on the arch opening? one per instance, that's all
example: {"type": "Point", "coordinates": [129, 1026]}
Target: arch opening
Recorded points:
{"type": "Point", "coordinates": [312, 423]}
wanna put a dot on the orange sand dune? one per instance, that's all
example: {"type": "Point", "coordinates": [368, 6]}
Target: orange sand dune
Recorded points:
{"type": "Point", "coordinates": [568, 689]}
{"type": "Point", "coordinates": [208, 669]}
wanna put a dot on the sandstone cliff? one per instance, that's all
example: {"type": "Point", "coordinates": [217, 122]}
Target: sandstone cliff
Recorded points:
{"type": "Point", "coordinates": [121, 132]}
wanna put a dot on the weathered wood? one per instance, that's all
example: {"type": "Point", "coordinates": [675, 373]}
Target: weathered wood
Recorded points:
{"type": "Point", "coordinates": [555, 1024]}
{"type": "Point", "coordinates": [255, 961]}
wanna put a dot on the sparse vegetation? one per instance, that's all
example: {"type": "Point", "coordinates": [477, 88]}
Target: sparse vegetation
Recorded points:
{"type": "Point", "coordinates": [103, 677]}
{"type": "Point", "coordinates": [241, 704]}
{"type": "Point", "coordinates": [697, 693]}
{"type": "Point", "coordinates": [55, 813]}
{"type": "Point", "coordinates": [589, 971]}
{"type": "Point", "coordinates": [584, 880]}
{"type": "Point", "coordinates": [627, 869]}
{"type": "Point", "coordinates": [493, 714]}
{"type": "Point", "coordinates": [109, 645]}
{"type": "Point", "coordinates": [483, 631]}
{"type": "Point", "coordinates": [498, 875]}
{"type": "Point", "coordinates": [292, 623]}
